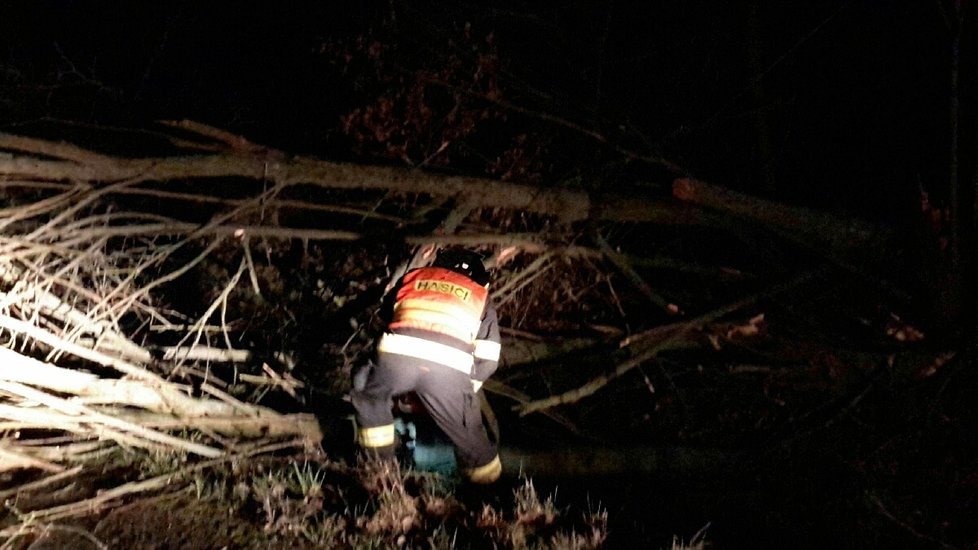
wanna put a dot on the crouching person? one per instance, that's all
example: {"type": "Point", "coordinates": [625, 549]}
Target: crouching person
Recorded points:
{"type": "Point", "coordinates": [441, 342]}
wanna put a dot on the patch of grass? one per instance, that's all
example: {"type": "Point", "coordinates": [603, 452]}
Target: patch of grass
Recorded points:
{"type": "Point", "coordinates": [379, 505]}
{"type": "Point", "coordinates": [697, 542]}
{"type": "Point", "coordinates": [310, 501]}
{"type": "Point", "coordinates": [536, 523]}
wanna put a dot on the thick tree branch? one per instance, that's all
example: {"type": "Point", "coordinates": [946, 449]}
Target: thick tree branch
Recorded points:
{"type": "Point", "coordinates": [566, 204]}
{"type": "Point", "coordinates": [651, 343]}
{"type": "Point", "coordinates": [847, 240]}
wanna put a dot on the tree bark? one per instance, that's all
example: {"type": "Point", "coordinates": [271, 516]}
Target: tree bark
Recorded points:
{"type": "Point", "coordinates": [48, 161]}
{"type": "Point", "coordinates": [43, 162]}
{"type": "Point", "coordinates": [858, 246]}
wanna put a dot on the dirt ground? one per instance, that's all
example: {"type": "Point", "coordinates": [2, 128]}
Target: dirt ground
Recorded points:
{"type": "Point", "coordinates": [158, 524]}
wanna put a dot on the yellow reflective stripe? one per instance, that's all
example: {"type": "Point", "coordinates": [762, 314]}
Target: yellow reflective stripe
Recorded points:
{"type": "Point", "coordinates": [433, 305]}
{"type": "Point", "coordinates": [450, 308]}
{"type": "Point", "coordinates": [379, 436]}
{"type": "Point", "coordinates": [450, 315]}
{"type": "Point", "coordinates": [487, 349]}
{"type": "Point", "coordinates": [426, 349]}
{"type": "Point", "coordinates": [435, 322]}
{"type": "Point", "coordinates": [485, 474]}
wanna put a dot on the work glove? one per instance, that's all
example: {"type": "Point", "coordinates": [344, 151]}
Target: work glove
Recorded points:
{"type": "Point", "coordinates": [476, 386]}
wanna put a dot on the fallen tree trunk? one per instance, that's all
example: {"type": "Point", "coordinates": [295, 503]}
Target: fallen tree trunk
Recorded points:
{"type": "Point", "coordinates": [234, 156]}
{"type": "Point", "coordinates": [76, 177]}
{"type": "Point", "coordinates": [48, 161]}
{"type": "Point", "coordinates": [852, 243]}
{"type": "Point", "coordinates": [39, 161]}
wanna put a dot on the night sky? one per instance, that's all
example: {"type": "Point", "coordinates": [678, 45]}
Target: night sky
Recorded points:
{"type": "Point", "coordinates": [853, 94]}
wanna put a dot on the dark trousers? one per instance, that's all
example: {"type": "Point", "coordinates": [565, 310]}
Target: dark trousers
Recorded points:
{"type": "Point", "coordinates": [445, 392]}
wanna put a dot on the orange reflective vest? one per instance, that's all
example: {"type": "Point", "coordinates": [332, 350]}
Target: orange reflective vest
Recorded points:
{"type": "Point", "coordinates": [439, 300]}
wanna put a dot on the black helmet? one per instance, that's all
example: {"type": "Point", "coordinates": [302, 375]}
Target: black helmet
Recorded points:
{"type": "Point", "coordinates": [466, 262]}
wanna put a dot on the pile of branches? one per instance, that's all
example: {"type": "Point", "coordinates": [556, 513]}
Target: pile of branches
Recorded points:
{"type": "Point", "coordinates": [95, 245]}
{"type": "Point", "coordinates": [92, 363]}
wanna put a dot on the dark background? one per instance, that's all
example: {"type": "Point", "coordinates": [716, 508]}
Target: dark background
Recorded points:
{"type": "Point", "coordinates": [843, 106]}
{"type": "Point", "coordinates": [854, 94]}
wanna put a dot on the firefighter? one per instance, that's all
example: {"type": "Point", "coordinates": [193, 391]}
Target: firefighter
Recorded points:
{"type": "Point", "coordinates": [441, 342]}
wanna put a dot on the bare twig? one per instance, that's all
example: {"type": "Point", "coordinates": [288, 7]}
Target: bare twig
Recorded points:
{"type": "Point", "coordinates": [42, 482]}
{"type": "Point", "coordinates": [197, 330]}
{"type": "Point", "coordinates": [621, 262]}
{"type": "Point", "coordinates": [508, 290]}
{"type": "Point", "coordinates": [113, 497]}
{"type": "Point", "coordinates": [73, 416]}
{"type": "Point", "coordinates": [176, 196]}
{"type": "Point", "coordinates": [105, 425]}
{"type": "Point", "coordinates": [568, 205]}
{"type": "Point", "coordinates": [654, 341]}
{"type": "Point", "coordinates": [903, 525]}
{"type": "Point", "coordinates": [46, 337]}
{"type": "Point", "coordinates": [673, 340]}
{"type": "Point", "coordinates": [12, 460]}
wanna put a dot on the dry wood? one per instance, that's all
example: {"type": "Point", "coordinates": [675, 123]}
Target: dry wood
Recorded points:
{"type": "Point", "coordinates": [566, 204]}
{"type": "Point", "coordinates": [197, 331]}
{"type": "Point", "coordinates": [46, 337]}
{"type": "Point", "coordinates": [522, 351]}
{"type": "Point", "coordinates": [62, 290]}
{"type": "Point", "coordinates": [85, 419]}
{"type": "Point", "coordinates": [673, 337]}
{"type": "Point", "coordinates": [45, 162]}
{"type": "Point", "coordinates": [113, 497]}
{"type": "Point", "coordinates": [42, 483]}
{"type": "Point", "coordinates": [849, 242]}
{"type": "Point", "coordinates": [233, 156]}
{"type": "Point", "coordinates": [276, 426]}
{"type": "Point", "coordinates": [49, 304]}
{"type": "Point", "coordinates": [61, 311]}
{"type": "Point", "coordinates": [13, 460]}
{"type": "Point", "coordinates": [508, 289]}
{"type": "Point", "coordinates": [797, 221]}
{"type": "Point", "coordinates": [66, 453]}
{"type": "Point", "coordinates": [199, 352]}
{"type": "Point", "coordinates": [185, 411]}
{"type": "Point", "coordinates": [649, 344]}
{"type": "Point", "coordinates": [622, 263]}
{"type": "Point", "coordinates": [499, 388]}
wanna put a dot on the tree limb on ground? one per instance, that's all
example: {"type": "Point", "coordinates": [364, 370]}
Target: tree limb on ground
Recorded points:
{"type": "Point", "coordinates": [649, 344]}
{"type": "Point", "coordinates": [47, 161]}
{"type": "Point", "coordinates": [76, 179]}
{"type": "Point", "coordinates": [114, 496]}
{"type": "Point", "coordinates": [854, 244]}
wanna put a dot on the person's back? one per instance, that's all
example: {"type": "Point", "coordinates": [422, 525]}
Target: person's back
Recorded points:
{"type": "Point", "coordinates": [442, 341]}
